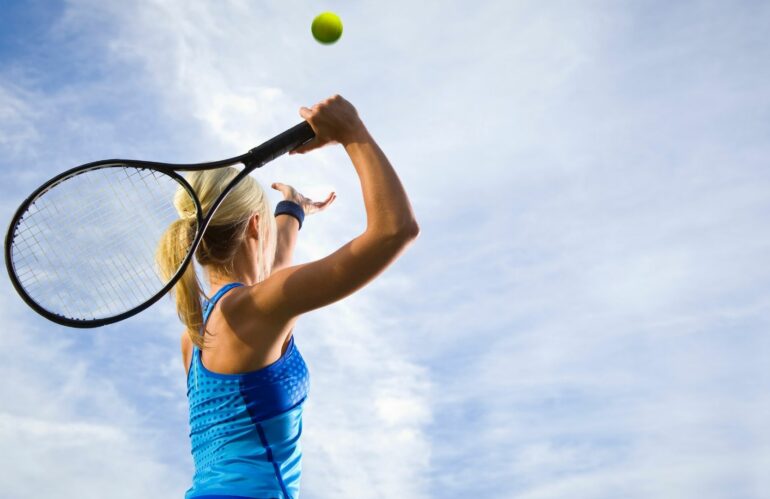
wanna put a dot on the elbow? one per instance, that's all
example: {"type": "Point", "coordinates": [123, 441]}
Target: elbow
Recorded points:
{"type": "Point", "coordinates": [407, 232]}
{"type": "Point", "coordinates": [412, 230]}
{"type": "Point", "coordinates": [403, 233]}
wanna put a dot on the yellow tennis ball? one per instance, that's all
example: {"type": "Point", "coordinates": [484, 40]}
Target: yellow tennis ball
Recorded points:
{"type": "Point", "coordinates": [327, 27]}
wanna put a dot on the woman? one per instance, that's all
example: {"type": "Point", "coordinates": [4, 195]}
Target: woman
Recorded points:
{"type": "Point", "coordinates": [247, 382]}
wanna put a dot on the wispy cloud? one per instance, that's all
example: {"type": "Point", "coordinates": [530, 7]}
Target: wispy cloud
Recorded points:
{"type": "Point", "coordinates": [17, 119]}
{"type": "Point", "coordinates": [65, 430]}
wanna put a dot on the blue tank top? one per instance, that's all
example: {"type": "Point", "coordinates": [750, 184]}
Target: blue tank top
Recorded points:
{"type": "Point", "coordinates": [245, 428]}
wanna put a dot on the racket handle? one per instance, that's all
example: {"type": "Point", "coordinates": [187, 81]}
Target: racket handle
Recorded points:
{"type": "Point", "coordinates": [279, 145]}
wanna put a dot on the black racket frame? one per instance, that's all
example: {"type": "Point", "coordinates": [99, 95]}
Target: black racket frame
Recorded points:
{"type": "Point", "coordinates": [255, 158]}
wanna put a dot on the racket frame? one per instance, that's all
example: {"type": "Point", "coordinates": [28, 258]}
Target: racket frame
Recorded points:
{"type": "Point", "coordinates": [255, 158]}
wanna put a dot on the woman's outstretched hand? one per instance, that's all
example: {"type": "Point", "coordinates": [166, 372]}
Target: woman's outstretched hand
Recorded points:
{"type": "Point", "coordinates": [308, 205]}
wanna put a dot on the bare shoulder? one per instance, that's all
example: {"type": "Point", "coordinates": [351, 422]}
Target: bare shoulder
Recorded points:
{"type": "Point", "coordinates": [247, 320]}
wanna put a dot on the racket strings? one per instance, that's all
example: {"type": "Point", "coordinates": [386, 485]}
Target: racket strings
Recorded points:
{"type": "Point", "coordinates": [85, 249]}
{"type": "Point", "coordinates": [89, 265]}
{"type": "Point", "coordinates": [27, 241]}
{"type": "Point", "coordinates": [142, 270]}
{"type": "Point", "coordinates": [78, 219]}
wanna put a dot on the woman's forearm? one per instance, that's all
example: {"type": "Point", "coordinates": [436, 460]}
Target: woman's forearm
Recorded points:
{"type": "Point", "coordinates": [387, 207]}
{"type": "Point", "coordinates": [287, 231]}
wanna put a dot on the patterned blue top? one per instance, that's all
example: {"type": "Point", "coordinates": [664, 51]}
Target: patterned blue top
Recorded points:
{"type": "Point", "coordinates": [245, 428]}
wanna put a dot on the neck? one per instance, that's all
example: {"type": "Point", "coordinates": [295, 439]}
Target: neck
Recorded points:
{"type": "Point", "coordinates": [244, 270]}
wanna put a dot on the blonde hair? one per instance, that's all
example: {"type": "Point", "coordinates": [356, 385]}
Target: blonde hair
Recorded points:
{"type": "Point", "coordinates": [220, 242]}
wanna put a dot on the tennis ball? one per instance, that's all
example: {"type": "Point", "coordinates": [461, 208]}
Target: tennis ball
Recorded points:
{"type": "Point", "coordinates": [327, 27]}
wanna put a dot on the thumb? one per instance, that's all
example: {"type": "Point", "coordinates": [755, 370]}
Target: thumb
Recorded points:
{"type": "Point", "coordinates": [305, 112]}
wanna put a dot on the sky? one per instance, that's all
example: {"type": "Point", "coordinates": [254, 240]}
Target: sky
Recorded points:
{"type": "Point", "coordinates": [585, 313]}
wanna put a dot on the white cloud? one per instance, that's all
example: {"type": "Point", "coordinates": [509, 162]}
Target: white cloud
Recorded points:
{"type": "Point", "coordinates": [66, 431]}
{"type": "Point", "coordinates": [369, 407]}
{"type": "Point", "coordinates": [67, 434]}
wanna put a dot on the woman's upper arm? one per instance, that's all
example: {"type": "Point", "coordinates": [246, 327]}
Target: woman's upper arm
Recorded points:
{"type": "Point", "coordinates": [295, 290]}
{"type": "Point", "coordinates": [186, 349]}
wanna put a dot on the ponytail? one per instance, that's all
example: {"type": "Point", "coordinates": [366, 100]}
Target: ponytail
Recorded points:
{"type": "Point", "coordinates": [219, 243]}
{"type": "Point", "coordinates": [172, 249]}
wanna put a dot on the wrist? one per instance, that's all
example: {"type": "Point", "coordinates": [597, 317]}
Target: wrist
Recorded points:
{"type": "Point", "coordinates": [291, 208]}
{"type": "Point", "coordinates": [356, 135]}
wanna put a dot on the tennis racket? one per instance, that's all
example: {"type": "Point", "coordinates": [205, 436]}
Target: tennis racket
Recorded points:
{"type": "Point", "coordinates": [80, 249]}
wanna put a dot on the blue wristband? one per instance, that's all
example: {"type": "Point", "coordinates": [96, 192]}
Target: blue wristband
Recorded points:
{"type": "Point", "coordinates": [290, 208]}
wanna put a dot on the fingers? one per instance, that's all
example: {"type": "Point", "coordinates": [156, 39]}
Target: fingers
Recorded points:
{"type": "Point", "coordinates": [318, 206]}
{"type": "Point", "coordinates": [334, 120]}
{"type": "Point", "coordinates": [313, 144]}
{"type": "Point", "coordinates": [323, 204]}
{"type": "Point", "coordinates": [307, 114]}
{"type": "Point", "coordinates": [332, 197]}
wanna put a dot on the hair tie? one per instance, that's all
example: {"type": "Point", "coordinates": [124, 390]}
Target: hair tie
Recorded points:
{"type": "Point", "coordinates": [188, 215]}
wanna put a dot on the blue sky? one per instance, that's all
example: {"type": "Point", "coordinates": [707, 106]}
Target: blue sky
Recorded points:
{"type": "Point", "coordinates": [585, 313]}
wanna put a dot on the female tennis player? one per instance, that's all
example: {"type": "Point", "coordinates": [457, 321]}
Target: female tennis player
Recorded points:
{"type": "Point", "coordinates": [246, 380]}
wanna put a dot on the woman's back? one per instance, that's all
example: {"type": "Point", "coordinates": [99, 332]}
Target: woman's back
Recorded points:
{"type": "Point", "coordinates": [245, 428]}
{"type": "Point", "coordinates": [236, 347]}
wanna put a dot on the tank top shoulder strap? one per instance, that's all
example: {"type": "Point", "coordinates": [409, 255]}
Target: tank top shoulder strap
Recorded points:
{"type": "Point", "coordinates": [214, 299]}
{"type": "Point", "coordinates": [208, 306]}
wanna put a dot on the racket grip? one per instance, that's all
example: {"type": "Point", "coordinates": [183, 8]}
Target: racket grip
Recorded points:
{"type": "Point", "coordinates": [279, 145]}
